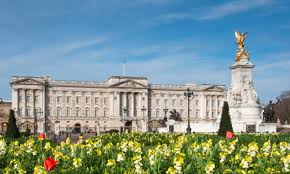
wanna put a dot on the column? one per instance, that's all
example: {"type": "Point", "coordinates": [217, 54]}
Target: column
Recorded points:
{"type": "Point", "coordinates": [25, 104]}
{"type": "Point", "coordinates": [216, 106]}
{"type": "Point", "coordinates": [132, 105]}
{"type": "Point", "coordinates": [17, 103]}
{"type": "Point", "coordinates": [145, 95]}
{"type": "Point", "coordinates": [124, 98]}
{"type": "Point", "coordinates": [139, 105]}
{"type": "Point", "coordinates": [117, 104]}
{"type": "Point", "coordinates": [111, 104]}
{"type": "Point", "coordinates": [210, 106]}
{"type": "Point", "coordinates": [33, 102]}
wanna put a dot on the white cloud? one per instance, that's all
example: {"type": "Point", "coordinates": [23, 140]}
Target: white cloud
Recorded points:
{"type": "Point", "coordinates": [213, 12]}
{"type": "Point", "coordinates": [232, 7]}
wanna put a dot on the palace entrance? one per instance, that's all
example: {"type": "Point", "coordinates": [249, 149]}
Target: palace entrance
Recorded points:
{"type": "Point", "coordinates": [128, 126]}
{"type": "Point", "coordinates": [77, 128]}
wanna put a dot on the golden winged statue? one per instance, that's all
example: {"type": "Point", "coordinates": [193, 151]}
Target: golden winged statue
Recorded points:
{"type": "Point", "coordinates": [240, 39]}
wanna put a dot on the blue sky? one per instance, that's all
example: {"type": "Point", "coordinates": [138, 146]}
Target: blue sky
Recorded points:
{"type": "Point", "coordinates": [168, 41]}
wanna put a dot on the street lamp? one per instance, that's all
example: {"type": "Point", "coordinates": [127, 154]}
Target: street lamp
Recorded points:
{"type": "Point", "coordinates": [125, 111]}
{"type": "Point", "coordinates": [165, 113]}
{"type": "Point", "coordinates": [188, 94]}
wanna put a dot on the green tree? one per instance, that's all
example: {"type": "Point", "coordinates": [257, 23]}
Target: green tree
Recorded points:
{"type": "Point", "coordinates": [12, 129]}
{"type": "Point", "coordinates": [225, 124]}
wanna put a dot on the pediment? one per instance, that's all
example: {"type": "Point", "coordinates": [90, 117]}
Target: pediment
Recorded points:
{"type": "Point", "coordinates": [27, 81]}
{"type": "Point", "coordinates": [214, 88]}
{"type": "Point", "coordinates": [129, 84]}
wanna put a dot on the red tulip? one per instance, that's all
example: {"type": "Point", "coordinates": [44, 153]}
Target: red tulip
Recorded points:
{"type": "Point", "coordinates": [229, 134]}
{"type": "Point", "coordinates": [41, 136]}
{"type": "Point", "coordinates": [50, 164]}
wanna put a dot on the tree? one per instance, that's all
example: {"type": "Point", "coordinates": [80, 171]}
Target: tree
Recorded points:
{"type": "Point", "coordinates": [225, 124]}
{"type": "Point", "coordinates": [282, 108]}
{"type": "Point", "coordinates": [12, 129]}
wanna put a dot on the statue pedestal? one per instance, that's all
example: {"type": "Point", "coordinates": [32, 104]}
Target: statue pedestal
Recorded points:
{"type": "Point", "coordinates": [267, 127]}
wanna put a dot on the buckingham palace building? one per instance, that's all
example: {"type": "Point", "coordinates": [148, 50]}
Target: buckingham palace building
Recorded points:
{"type": "Point", "coordinates": [43, 104]}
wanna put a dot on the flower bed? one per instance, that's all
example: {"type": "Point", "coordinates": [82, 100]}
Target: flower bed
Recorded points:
{"type": "Point", "coordinates": [148, 153]}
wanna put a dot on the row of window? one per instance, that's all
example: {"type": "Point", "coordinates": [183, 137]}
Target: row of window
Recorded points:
{"type": "Point", "coordinates": [174, 102]}
{"type": "Point", "coordinates": [68, 112]}
{"type": "Point", "coordinates": [78, 100]}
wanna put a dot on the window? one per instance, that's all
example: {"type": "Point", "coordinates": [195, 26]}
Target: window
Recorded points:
{"type": "Point", "coordinates": [207, 114]}
{"type": "Point", "coordinates": [58, 100]}
{"type": "Point", "coordinates": [173, 102]}
{"type": "Point", "coordinates": [207, 103]}
{"type": "Point", "coordinates": [157, 113]}
{"type": "Point", "coordinates": [87, 112]}
{"type": "Point", "coordinates": [78, 100]}
{"type": "Point", "coordinates": [58, 112]}
{"type": "Point", "coordinates": [28, 111]}
{"type": "Point", "coordinates": [36, 99]}
{"type": "Point", "coordinates": [27, 98]}
{"type": "Point", "coordinates": [77, 112]}
{"type": "Point", "coordinates": [181, 102]}
{"type": "Point", "coordinates": [196, 103]}
{"type": "Point", "coordinates": [165, 102]}
{"type": "Point", "coordinates": [143, 98]}
{"type": "Point", "coordinates": [68, 112]}
{"type": "Point", "coordinates": [48, 111]}
{"type": "Point", "coordinates": [181, 112]}
{"type": "Point", "coordinates": [106, 100]}
{"type": "Point", "coordinates": [213, 114]}
{"type": "Point", "coordinates": [96, 112]}
{"type": "Point", "coordinates": [87, 100]}
{"type": "Point", "coordinates": [212, 103]}
{"type": "Point", "coordinates": [20, 112]}
{"type": "Point", "coordinates": [105, 113]}
{"type": "Point", "coordinates": [68, 100]}
{"type": "Point", "coordinates": [97, 100]}
{"type": "Point", "coordinates": [20, 98]}
{"type": "Point", "coordinates": [197, 113]}
{"type": "Point", "coordinates": [219, 103]}
{"type": "Point", "coordinates": [157, 102]}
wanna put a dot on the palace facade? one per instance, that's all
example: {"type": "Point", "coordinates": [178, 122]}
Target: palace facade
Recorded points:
{"type": "Point", "coordinates": [43, 104]}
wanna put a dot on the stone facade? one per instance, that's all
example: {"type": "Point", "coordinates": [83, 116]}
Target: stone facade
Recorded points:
{"type": "Point", "coordinates": [121, 103]}
{"type": "Point", "coordinates": [5, 108]}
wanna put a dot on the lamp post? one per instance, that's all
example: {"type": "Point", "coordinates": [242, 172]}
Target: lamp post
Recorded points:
{"type": "Point", "coordinates": [165, 113]}
{"type": "Point", "coordinates": [188, 94]}
{"type": "Point", "coordinates": [125, 111]}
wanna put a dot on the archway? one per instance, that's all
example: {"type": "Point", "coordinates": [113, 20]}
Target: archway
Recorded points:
{"type": "Point", "coordinates": [77, 128]}
{"type": "Point", "coordinates": [128, 126]}
{"type": "Point", "coordinates": [4, 126]}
